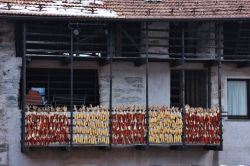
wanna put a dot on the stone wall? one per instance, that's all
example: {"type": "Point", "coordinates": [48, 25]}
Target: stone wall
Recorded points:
{"type": "Point", "coordinates": [10, 67]}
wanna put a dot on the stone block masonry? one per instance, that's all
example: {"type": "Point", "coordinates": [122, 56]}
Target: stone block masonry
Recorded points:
{"type": "Point", "coordinates": [3, 154]}
{"type": "Point", "coordinates": [10, 67]}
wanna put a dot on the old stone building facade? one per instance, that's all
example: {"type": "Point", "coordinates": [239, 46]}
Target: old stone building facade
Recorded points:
{"type": "Point", "coordinates": [129, 78]}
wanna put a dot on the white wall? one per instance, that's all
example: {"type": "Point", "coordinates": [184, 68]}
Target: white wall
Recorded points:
{"type": "Point", "coordinates": [129, 84]}
{"type": "Point", "coordinates": [236, 132]}
{"type": "Point", "coordinates": [236, 144]}
{"type": "Point", "coordinates": [228, 71]}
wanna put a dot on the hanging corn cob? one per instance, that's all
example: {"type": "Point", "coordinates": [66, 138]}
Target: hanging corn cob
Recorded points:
{"type": "Point", "coordinates": [91, 125]}
{"type": "Point", "coordinates": [202, 126]}
{"type": "Point", "coordinates": [129, 125]}
{"type": "Point", "coordinates": [46, 125]}
{"type": "Point", "coordinates": [50, 125]}
{"type": "Point", "coordinates": [165, 125]}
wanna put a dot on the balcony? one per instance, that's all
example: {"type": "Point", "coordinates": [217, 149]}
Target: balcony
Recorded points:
{"type": "Point", "coordinates": [167, 41]}
{"type": "Point", "coordinates": [123, 126]}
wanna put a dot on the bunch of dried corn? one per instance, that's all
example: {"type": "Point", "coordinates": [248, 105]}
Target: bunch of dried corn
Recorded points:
{"type": "Point", "coordinates": [33, 108]}
{"type": "Point", "coordinates": [202, 126]}
{"type": "Point", "coordinates": [91, 125]}
{"type": "Point", "coordinates": [165, 125]}
{"type": "Point", "coordinates": [44, 128]}
{"type": "Point", "coordinates": [129, 125]}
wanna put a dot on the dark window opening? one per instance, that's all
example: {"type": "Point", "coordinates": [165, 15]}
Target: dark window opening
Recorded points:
{"type": "Point", "coordinates": [19, 39]}
{"type": "Point", "coordinates": [53, 39]}
{"type": "Point", "coordinates": [199, 40]}
{"type": "Point", "coordinates": [52, 87]}
{"type": "Point", "coordinates": [236, 40]}
{"type": "Point", "coordinates": [175, 40]}
{"type": "Point", "coordinates": [128, 39]}
{"type": "Point", "coordinates": [195, 88]}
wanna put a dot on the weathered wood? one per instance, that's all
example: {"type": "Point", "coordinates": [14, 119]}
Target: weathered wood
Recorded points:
{"type": "Point", "coordinates": [139, 62]}
{"type": "Point", "coordinates": [131, 39]}
{"type": "Point", "coordinates": [175, 63]}
{"type": "Point", "coordinates": [59, 64]}
{"type": "Point", "coordinates": [104, 62]}
{"type": "Point", "coordinates": [119, 43]}
{"type": "Point", "coordinates": [210, 64]}
{"type": "Point", "coordinates": [243, 64]}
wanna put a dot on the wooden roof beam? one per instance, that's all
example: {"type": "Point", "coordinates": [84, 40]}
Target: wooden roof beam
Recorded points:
{"type": "Point", "coordinates": [243, 64]}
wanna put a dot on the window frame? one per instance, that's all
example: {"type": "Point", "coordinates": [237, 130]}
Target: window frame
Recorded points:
{"type": "Point", "coordinates": [206, 86]}
{"type": "Point", "coordinates": [248, 97]}
{"type": "Point", "coordinates": [49, 73]}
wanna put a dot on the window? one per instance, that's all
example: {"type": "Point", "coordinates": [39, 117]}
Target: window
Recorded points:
{"type": "Point", "coordinates": [175, 40]}
{"type": "Point", "coordinates": [195, 88]}
{"type": "Point", "coordinates": [53, 39]}
{"type": "Point", "coordinates": [199, 39]}
{"type": "Point", "coordinates": [52, 87]}
{"type": "Point", "coordinates": [237, 98]}
{"type": "Point", "coordinates": [127, 40]}
{"type": "Point", "coordinates": [236, 40]}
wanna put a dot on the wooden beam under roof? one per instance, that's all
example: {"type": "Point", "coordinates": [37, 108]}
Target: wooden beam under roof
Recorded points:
{"type": "Point", "coordinates": [243, 64]}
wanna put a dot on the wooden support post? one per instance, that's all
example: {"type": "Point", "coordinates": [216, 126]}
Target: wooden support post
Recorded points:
{"type": "Point", "coordinates": [118, 50]}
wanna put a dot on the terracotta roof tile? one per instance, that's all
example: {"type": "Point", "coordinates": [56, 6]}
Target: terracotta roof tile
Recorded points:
{"type": "Point", "coordinates": [166, 9]}
{"type": "Point", "coordinates": [181, 8]}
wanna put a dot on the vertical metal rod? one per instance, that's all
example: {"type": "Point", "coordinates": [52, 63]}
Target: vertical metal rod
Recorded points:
{"type": "Point", "coordinates": [110, 55]}
{"type": "Point", "coordinates": [209, 88]}
{"type": "Point", "coordinates": [219, 82]}
{"type": "Point", "coordinates": [71, 84]}
{"type": "Point", "coordinates": [183, 83]}
{"type": "Point", "coordinates": [147, 107]}
{"type": "Point", "coordinates": [23, 90]}
{"type": "Point", "coordinates": [95, 86]}
{"type": "Point", "coordinates": [48, 86]}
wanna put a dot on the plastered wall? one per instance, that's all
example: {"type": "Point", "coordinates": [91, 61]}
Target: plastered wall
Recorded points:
{"type": "Point", "coordinates": [128, 87]}
{"type": "Point", "coordinates": [236, 132]}
{"type": "Point", "coordinates": [129, 84]}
